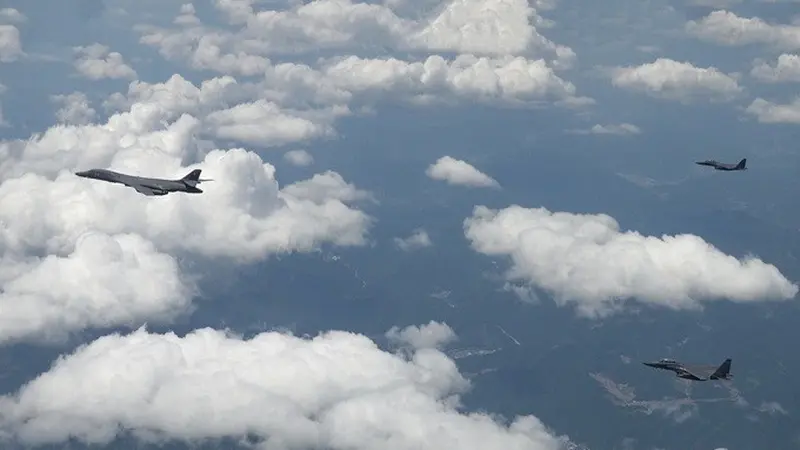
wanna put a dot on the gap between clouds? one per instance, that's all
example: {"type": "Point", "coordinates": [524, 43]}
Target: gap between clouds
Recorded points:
{"type": "Point", "coordinates": [337, 390]}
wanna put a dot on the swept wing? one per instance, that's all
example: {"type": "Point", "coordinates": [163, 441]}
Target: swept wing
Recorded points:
{"type": "Point", "coordinates": [146, 190]}
{"type": "Point", "coordinates": [702, 372]}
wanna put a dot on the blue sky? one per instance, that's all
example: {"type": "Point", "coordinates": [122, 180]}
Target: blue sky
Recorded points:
{"type": "Point", "coordinates": [396, 185]}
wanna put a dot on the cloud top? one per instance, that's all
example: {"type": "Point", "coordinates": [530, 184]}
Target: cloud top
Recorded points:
{"type": "Point", "coordinates": [586, 260]}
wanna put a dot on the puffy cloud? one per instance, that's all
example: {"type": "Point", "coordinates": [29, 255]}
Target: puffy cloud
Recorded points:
{"type": "Point", "coordinates": [337, 390]}
{"type": "Point", "coordinates": [586, 260]}
{"type": "Point", "coordinates": [46, 212]}
{"type": "Point", "coordinates": [489, 27]}
{"type": "Point", "coordinates": [12, 15]}
{"type": "Point", "coordinates": [674, 80]}
{"type": "Point", "coordinates": [622, 129]}
{"type": "Point", "coordinates": [178, 96]}
{"type": "Point", "coordinates": [10, 44]}
{"type": "Point", "coordinates": [458, 172]}
{"type": "Point", "coordinates": [324, 186]}
{"type": "Point", "coordinates": [500, 55]}
{"type": "Point", "coordinates": [786, 69]}
{"type": "Point", "coordinates": [299, 157]}
{"type": "Point", "coordinates": [266, 124]}
{"type": "Point", "coordinates": [769, 112]}
{"type": "Point", "coordinates": [433, 335]}
{"type": "Point", "coordinates": [102, 281]}
{"type": "Point", "coordinates": [97, 62]}
{"type": "Point", "coordinates": [75, 108]}
{"type": "Point", "coordinates": [311, 99]}
{"type": "Point", "coordinates": [510, 79]}
{"type": "Point", "coordinates": [500, 59]}
{"type": "Point", "coordinates": [494, 27]}
{"type": "Point", "coordinates": [418, 239]}
{"type": "Point", "coordinates": [726, 28]}
{"type": "Point", "coordinates": [252, 119]}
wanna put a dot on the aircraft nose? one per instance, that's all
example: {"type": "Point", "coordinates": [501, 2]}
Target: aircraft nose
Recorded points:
{"type": "Point", "coordinates": [649, 364]}
{"type": "Point", "coordinates": [82, 174]}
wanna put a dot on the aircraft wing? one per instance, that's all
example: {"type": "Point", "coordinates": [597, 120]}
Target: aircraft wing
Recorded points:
{"type": "Point", "coordinates": [146, 190]}
{"type": "Point", "coordinates": [700, 371]}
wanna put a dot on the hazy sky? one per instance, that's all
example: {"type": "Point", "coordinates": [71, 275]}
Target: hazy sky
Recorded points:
{"type": "Point", "coordinates": [243, 88]}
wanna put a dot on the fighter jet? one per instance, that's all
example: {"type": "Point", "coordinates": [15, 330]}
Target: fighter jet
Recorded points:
{"type": "Point", "coordinates": [148, 186]}
{"type": "Point", "coordinates": [695, 373]}
{"type": "Point", "coordinates": [722, 166]}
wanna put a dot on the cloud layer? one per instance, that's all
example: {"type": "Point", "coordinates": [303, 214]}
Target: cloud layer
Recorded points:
{"type": "Point", "coordinates": [58, 227]}
{"type": "Point", "coordinates": [337, 390]}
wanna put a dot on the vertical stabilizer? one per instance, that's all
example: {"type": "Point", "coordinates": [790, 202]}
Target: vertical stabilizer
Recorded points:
{"type": "Point", "coordinates": [723, 372]}
{"type": "Point", "coordinates": [192, 177]}
{"type": "Point", "coordinates": [742, 164]}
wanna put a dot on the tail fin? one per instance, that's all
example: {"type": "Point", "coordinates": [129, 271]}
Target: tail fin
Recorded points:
{"type": "Point", "coordinates": [192, 179]}
{"type": "Point", "coordinates": [723, 372]}
{"type": "Point", "coordinates": [742, 164]}
{"type": "Point", "coordinates": [193, 176]}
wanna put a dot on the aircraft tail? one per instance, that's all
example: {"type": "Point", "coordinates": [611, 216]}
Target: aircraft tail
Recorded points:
{"type": "Point", "coordinates": [723, 372]}
{"type": "Point", "coordinates": [742, 164]}
{"type": "Point", "coordinates": [192, 179]}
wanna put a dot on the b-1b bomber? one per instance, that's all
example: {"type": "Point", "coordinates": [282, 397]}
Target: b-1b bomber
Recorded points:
{"type": "Point", "coordinates": [148, 186]}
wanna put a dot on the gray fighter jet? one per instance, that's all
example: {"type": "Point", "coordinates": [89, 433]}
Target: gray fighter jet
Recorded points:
{"type": "Point", "coordinates": [695, 373]}
{"type": "Point", "coordinates": [722, 166]}
{"type": "Point", "coordinates": [148, 186]}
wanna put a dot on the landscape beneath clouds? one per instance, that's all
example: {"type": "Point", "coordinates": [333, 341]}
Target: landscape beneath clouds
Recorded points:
{"type": "Point", "coordinates": [433, 224]}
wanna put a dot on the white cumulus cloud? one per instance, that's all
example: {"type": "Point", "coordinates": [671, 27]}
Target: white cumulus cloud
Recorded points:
{"type": "Point", "coordinates": [433, 335]}
{"type": "Point", "coordinates": [499, 53]}
{"type": "Point", "coordinates": [786, 69]}
{"type": "Point", "coordinates": [768, 112]}
{"type": "Point", "coordinates": [418, 239]}
{"type": "Point", "coordinates": [106, 280]}
{"type": "Point", "coordinates": [12, 15]}
{"type": "Point", "coordinates": [494, 27]}
{"type": "Point", "coordinates": [337, 390]}
{"type": "Point", "coordinates": [675, 80]}
{"type": "Point", "coordinates": [75, 109]}
{"type": "Point", "coordinates": [586, 260]}
{"type": "Point", "coordinates": [458, 172]}
{"type": "Point", "coordinates": [47, 212]}
{"type": "Point", "coordinates": [622, 129]}
{"type": "Point", "coordinates": [299, 157]}
{"type": "Point", "coordinates": [726, 28]}
{"type": "Point", "coordinates": [10, 43]}
{"type": "Point", "coordinates": [97, 62]}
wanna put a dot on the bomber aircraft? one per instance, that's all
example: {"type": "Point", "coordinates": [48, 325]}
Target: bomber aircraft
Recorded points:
{"type": "Point", "coordinates": [148, 186]}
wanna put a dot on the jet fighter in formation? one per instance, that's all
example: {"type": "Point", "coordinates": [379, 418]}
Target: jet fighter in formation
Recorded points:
{"type": "Point", "coordinates": [148, 186]}
{"type": "Point", "coordinates": [723, 166]}
{"type": "Point", "coordinates": [694, 373]}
